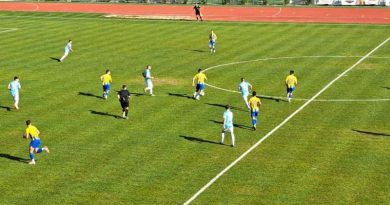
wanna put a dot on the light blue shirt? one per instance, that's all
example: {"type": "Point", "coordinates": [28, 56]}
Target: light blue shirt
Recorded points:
{"type": "Point", "coordinates": [244, 87]}
{"type": "Point", "coordinates": [228, 116]}
{"type": "Point", "coordinates": [68, 47]}
{"type": "Point", "coordinates": [14, 87]}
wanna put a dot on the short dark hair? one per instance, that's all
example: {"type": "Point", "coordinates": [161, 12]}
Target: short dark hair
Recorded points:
{"type": "Point", "coordinates": [242, 79]}
{"type": "Point", "coordinates": [70, 40]}
{"type": "Point", "coordinates": [28, 122]}
{"type": "Point", "coordinates": [254, 93]}
{"type": "Point", "coordinates": [108, 70]}
{"type": "Point", "coordinates": [291, 72]}
{"type": "Point", "coordinates": [124, 86]}
{"type": "Point", "coordinates": [227, 106]}
{"type": "Point", "coordinates": [16, 77]}
{"type": "Point", "coordinates": [199, 70]}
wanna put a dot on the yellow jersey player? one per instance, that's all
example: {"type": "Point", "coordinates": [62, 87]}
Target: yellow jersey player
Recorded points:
{"type": "Point", "coordinates": [212, 41]}
{"type": "Point", "coordinates": [106, 81]}
{"type": "Point", "coordinates": [35, 144]}
{"type": "Point", "coordinates": [254, 103]}
{"type": "Point", "coordinates": [291, 82]}
{"type": "Point", "coordinates": [200, 79]}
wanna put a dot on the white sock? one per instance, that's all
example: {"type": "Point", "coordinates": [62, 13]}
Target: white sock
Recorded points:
{"type": "Point", "coordinates": [233, 138]}
{"type": "Point", "coordinates": [222, 137]}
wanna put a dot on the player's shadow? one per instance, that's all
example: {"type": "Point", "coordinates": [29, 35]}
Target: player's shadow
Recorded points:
{"type": "Point", "coordinates": [223, 106]}
{"type": "Point", "coordinates": [5, 107]}
{"type": "Point", "coordinates": [386, 87]}
{"type": "Point", "coordinates": [180, 95]}
{"type": "Point", "coordinates": [245, 127]}
{"type": "Point", "coordinates": [55, 59]}
{"type": "Point", "coordinates": [372, 133]}
{"type": "Point", "coordinates": [10, 157]}
{"type": "Point", "coordinates": [105, 114]}
{"type": "Point", "coordinates": [272, 98]}
{"type": "Point", "coordinates": [90, 95]}
{"type": "Point", "coordinates": [198, 140]}
{"type": "Point", "coordinates": [196, 50]}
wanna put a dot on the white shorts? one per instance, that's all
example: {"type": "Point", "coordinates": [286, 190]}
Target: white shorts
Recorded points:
{"type": "Point", "coordinates": [228, 130]}
{"type": "Point", "coordinates": [149, 83]}
{"type": "Point", "coordinates": [16, 97]}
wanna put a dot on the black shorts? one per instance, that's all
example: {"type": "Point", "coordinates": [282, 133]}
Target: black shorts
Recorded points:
{"type": "Point", "coordinates": [197, 13]}
{"type": "Point", "coordinates": [124, 104]}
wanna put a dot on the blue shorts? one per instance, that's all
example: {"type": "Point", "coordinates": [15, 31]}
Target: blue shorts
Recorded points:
{"type": "Point", "coordinates": [35, 143]}
{"type": "Point", "coordinates": [290, 89]}
{"type": "Point", "coordinates": [199, 87]}
{"type": "Point", "coordinates": [254, 113]}
{"type": "Point", "coordinates": [106, 87]}
{"type": "Point", "coordinates": [212, 43]}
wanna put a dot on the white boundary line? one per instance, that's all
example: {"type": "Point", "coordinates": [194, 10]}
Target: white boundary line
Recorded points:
{"type": "Point", "coordinates": [280, 125]}
{"type": "Point", "coordinates": [7, 30]}
{"type": "Point", "coordinates": [305, 99]}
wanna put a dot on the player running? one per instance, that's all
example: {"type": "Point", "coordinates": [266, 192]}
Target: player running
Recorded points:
{"type": "Point", "coordinates": [200, 78]}
{"type": "Point", "coordinates": [35, 144]}
{"type": "Point", "coordinates": [124, 98]}
{"type": "Point", "coordinates": [106, 81]}
{"type": "Point", "coordinates": [227, 125]}
{"type": "Point", "coordinates": [245, 88]}
{"type": "Point", "coordinates": [212, 41]}
{"type": "Point", "coordinates": [67, 50]}
{"type": "Point", "coordinates": [254, 103]}
{"type": "Point", "coordinates": [14, 88]}
{"type": "Point", "coordinates": [148, 79]}
{"type": "Point", "coordinates": [197, 12]}
{"type": "Point", "coordinates": [291, 82]}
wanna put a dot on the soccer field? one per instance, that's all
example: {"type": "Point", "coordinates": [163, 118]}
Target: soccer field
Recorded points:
{"type": "Point", "coordinates": [336, 150]}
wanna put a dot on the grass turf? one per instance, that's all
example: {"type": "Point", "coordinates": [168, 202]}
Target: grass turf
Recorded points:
{"type": "Point", "coordinates": [331, 152]}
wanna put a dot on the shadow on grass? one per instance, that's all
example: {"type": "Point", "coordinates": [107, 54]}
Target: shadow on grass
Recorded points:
{"type": "Point", "coordinates": [386, 87]}
{"type": "Point", "coordinates": [372, 133]}
{"type": "Point", "coordinates": [223, 106]}
{"type": "Point", "coordinates": [272, 98]}
{"type": "Point", "coordinates": [90, 95]}
{"type": "Point", "coordinates": [5, 107]}
{"type": "Point", "coordinates": [196, 50]}
{"type": "Point", "coordinates": [234, 125]}
{"type": "Point", "coordinates": [105, 114]}
{"type": "Point", "coordinates": [180, 95]}
{"type": "Point", "coordinates": [55, 59]}
{"type": "Point", "coordinates": [199, 140]}
{"type": "Point", "coordinates": [10, 157]}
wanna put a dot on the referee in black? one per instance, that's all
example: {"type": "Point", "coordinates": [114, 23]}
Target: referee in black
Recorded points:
{"type": "Point", "coordinates": [124, 98]}
{"type": "Point", "coordinates": [197, 12]}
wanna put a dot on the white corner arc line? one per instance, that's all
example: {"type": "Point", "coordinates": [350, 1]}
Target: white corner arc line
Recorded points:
{"type": "Point", "coordinates": [280, 125]}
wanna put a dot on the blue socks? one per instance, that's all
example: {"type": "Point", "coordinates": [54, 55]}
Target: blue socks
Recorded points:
{"type": "Point", "coordinates": [31, 156]}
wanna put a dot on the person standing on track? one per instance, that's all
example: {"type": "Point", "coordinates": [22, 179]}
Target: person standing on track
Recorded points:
{"type": "Point", "coordinates": [124, 98]}
{"type": "Point", "coordinates": [291, 82]}
{"type": "Point", "coordinates": [197, 12]}
{"type": "Point", "coordinates": [67, 50]}
{"type": "Point", "coordinates": [14, 88]}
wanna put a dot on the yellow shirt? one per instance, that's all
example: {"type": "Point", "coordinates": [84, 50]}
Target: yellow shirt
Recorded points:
{"type": "Point", "coordinates": [32, 131]}
{"type": "Point", "coordinates": [200, 77]}
{"type": "Point", "coordinates": [291, 81]}
{"type": "Point", "coordinates": [254, 102]}
{"type": "Point", "coordinates": [106, 79]}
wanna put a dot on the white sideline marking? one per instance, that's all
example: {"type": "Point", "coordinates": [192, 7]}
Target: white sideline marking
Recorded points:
{"type": "Point", "coordinates": [280, 125]}
{"type": "Point", "coordinates": [8, 30]}
{"type": "Point", "coordinates": [277, 13]}
{"type": "Point", "coordinates": [305, 99]}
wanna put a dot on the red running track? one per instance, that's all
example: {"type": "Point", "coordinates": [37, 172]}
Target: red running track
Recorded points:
{"type": "Point", "coordinates": [218, 13]}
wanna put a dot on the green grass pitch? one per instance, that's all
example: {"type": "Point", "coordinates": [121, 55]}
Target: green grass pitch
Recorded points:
{"type": "Point", "coordinates": [330, 153]}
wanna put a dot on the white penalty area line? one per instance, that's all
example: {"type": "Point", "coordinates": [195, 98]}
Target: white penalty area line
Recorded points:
{"type": "Point", "coordinates": [281, 124]}
{"type": "Point", "coordinates": [4, 30]}
{"type": "Point", "coordinates": [305, 99]}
